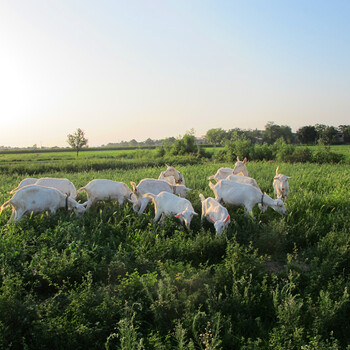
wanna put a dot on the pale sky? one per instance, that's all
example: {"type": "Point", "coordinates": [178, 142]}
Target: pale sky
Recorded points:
{"type": "Point", "coordinates": [136, 69]}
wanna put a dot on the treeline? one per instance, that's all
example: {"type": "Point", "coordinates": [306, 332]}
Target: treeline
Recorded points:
{"type": "Point", "coordinates": [307, 135]}
{"type": "Point", "coordinates": [241, 146]}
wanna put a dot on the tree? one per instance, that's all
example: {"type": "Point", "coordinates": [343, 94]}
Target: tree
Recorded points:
{"type": "Point", "coordinates": [133, 143]}
{"type": "Point", "coordinates": [216, 136]}
{"type": "Point", "coordinates": [307, 135]}
{"type": "Point", "coordinates": [327, 134]}
{"type": "Point", "coordinates": [149, 142]}
{"type": "Point", "coordinates": [273, 132]}
{"type": "Point", "coordinates": [77, 140]}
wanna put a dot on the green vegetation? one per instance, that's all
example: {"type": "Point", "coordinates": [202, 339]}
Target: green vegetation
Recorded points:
{"type": "Point", "coordinates": [114, 280]}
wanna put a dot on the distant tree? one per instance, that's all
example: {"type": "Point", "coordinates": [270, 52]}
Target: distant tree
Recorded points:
{"type": "Point", "coordinates": [273, 132]}
{"type": "Point", "coordinates": [77, 140]}
{"type": "Point", "coordinates": [253, 135]}
{"type": "Point", "coordinates": [133, 143]}
{"type": "Point", "coordinates": [327, 135]}
{"type": "Point", "coordinates": [232, 134]}
{"type": "Point", "coordinates": [184, 145]}
{"type": "Point", "coordinates": [149, 142]}
{"type": "Point", "coordinates": [286, 133]}
{"type": "Point", "coordinates": [307, 135]}
{"type": "Point", "coordinates": [216, 136]}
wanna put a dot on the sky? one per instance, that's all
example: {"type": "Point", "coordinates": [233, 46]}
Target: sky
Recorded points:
{"type": "Point", "coordinates": [122, 70]}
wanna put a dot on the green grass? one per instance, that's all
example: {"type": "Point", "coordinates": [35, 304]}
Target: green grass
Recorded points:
{"type": "Point", "coordinates": [115, 280]}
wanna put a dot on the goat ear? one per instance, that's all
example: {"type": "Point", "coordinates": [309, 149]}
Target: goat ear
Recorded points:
{"type": "Point", "coordinates": [238, 159]}
{"type": "Point", "coordinates": [188, 189]}
{"type": "Point", "coordinates": [245, 160]}
{"type": "Point", "coordinates": [277, 170]}
{"type": "Point", "coordinates": [276, 178]}
{"type": "Point", "coordinates": [227, 218]}
{"type": "Point", "coordinates": [194, 213]}
{"type": "Point", "coordinates": [289, 177]}
{"type": "Point", "coordinates": [280, 197]}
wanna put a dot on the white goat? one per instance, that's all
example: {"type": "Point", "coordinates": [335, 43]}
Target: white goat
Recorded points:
{"type": "Point", "coordinates": [153, 186]}
{"type": "Point", "coordinates": [239, 169]}
{"type": "Point", "coordinates": [171, 171]}
{"type": "Point", "coordinates": [36, 199]}
{"type": "Point", "coordinates": [168, 204]}
{"type": "Point", "coordinates": [102, 190]}
{"type": "Point", "coordinates": [239, 194]}
{"type": "Point", "coordinates": [215, 213]}
{"type": "Point", "coordinates": [243, 179]}
{"type": "Point", "coordinates": [25, 182]}
{"type": "Point", "coordinates": [170, 179]}
{"type": "Point", "coordinates": [63, 185]}
{"type": "Point", "coordinates": [281, 185]}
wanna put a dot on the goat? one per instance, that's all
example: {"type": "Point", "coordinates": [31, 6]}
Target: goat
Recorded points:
{"type": "Point", "coordinates": [153, 186]}
{"type": "Point", "coordinates": [214, 212]}
{"type": "Point", "coordinates": [239, 194]}
{"type": "Point", "coordinates": [281, 185]}
{"type": "Point", "coordinates": [168, 204]}
{"type": "Point", "coordinates": [35, 199]}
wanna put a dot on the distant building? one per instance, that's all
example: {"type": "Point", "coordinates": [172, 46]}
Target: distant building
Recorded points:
{"type": "Point", "coordinates": [201, 140]}
{"type": "Point", "coordinates": [341, 138]}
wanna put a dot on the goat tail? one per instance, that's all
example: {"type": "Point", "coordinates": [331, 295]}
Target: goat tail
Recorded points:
{"type": "Point", "coordinates": [201, 197]}
{"type": "Point", "coordinates": [5, 205]}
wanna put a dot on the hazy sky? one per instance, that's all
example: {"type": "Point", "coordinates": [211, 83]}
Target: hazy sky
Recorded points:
{"type": "Point", "coordinates": [136, 69]}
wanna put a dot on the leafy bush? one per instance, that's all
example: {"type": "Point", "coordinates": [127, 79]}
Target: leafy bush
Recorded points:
{"type": "Point", "coordinates": [325, 155]}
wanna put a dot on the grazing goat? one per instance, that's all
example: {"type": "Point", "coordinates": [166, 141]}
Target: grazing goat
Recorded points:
{"type": "Point", "coordinates": [281, 185]}
{"type": "Point", "coordinates": [239, 194]}
{"type": "Point", "coordinates": [36, 199]}
{"type": "Point", "coordinates": [243, 179]}
{"type": "Point", "coordinates": [153, 186]}
{"type": "Point", "coordinates": [168, 204]}
{"type": "Point", "coordinates": [215, 213]}
{"type": "Point", "coordinates": [240, 168]}
{"type": "Point", "coordinates": [171, 171]}
{"type": "Point", "coordinates": [25, 182]}
{"type": "Point", "coordinates": [169, 179]}
{"type": "Point", "coordinates": [63, 185]}
{"type": "Point", "coordinates": [103, 190]}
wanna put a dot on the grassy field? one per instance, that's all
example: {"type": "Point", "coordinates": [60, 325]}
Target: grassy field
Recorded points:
{"type": "Point", "coordinates": [115, 280]}
{"type": "Point", "coordinates": [42, 157]}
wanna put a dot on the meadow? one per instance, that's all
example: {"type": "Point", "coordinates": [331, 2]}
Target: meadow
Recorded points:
{"type": "Point", "coordinates": [114, 280]}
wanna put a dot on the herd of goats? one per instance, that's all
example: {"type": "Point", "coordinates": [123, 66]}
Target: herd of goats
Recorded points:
{"type": "Point", "coordinates": [168, 192]}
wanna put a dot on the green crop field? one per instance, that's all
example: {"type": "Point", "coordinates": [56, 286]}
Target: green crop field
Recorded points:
{"type": "Point", "coordinates": [114, 280]}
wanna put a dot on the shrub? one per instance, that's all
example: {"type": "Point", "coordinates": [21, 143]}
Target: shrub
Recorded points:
{"type": "Point", "coordinates": [325, 155]}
